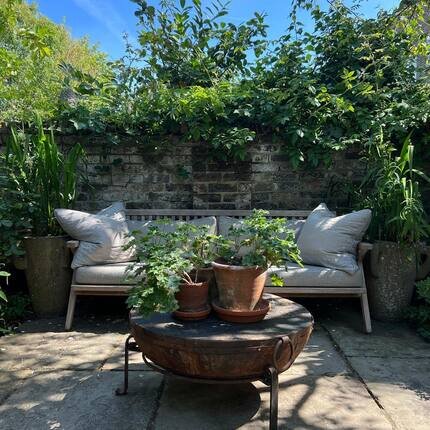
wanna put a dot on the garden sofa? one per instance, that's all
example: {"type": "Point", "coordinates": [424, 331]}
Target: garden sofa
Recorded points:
{"type": "Point", "coordinates": [307, 281]}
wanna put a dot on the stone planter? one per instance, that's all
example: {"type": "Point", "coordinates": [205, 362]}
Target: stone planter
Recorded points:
{"type": "Point", "coordinates": [48, 273]}
{"type": "Point", "coordinates": [390, 280]}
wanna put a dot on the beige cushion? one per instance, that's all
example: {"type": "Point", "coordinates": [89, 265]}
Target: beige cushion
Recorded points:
{"type": "Point", "coordinates": [295, 276]}
{"type": "Point", "coordinates": [315, 276]}
{"type": "Point", "coordinates": [102, 236]}
{"type": "Point", "coordinates": [143, 226]}
{"type": "Point", "coordinates": [107, 274]}
{"type": "Point", "coordinates": [329, 241]}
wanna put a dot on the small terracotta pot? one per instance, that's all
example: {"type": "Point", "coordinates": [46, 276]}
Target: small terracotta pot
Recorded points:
{"type": "Point", "coordinates": [239, 287]}
{"type": "Point", "coordinates": [192, 297]}
{"type": "Point", "coordinates": [207, 275]}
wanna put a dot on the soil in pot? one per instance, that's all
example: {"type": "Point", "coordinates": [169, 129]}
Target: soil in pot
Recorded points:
{"type": "Point", "coordinates": [390, 280]}
{"type": "Point", "coordinates": [239, 287]}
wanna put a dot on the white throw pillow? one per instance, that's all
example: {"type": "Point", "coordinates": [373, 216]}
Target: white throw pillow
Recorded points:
{"type": "Point", "coordinates": [143, 226]}
{"type": "Point", "coordinates": [330, 241]}
{"type": "Point", "coordinates": [102, 235]}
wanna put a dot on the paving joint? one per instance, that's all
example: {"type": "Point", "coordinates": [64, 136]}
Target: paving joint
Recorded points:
{"type": "Point", "coordinates": [360, 379]}
{"type": "Point", "coordinates": [154, 415]}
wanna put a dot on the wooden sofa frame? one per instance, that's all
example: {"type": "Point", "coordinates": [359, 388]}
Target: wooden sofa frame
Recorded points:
{"type": "Point", "coordinates": [188, 214]}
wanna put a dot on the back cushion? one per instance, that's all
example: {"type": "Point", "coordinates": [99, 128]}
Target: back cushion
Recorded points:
{"type": "Point", "coordinates": [102, 235]}
{"type": "Point", "coordinates": [330, 241]}
{"type": "Point", "coordinates": [143, 226]}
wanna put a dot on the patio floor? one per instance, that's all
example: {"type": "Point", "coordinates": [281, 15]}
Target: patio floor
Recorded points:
{"type": "Point", "coordinates": [344, 379]}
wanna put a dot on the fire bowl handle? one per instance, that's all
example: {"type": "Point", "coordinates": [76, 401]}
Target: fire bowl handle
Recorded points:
{"type": "Point", "coordinates": [279, 344]}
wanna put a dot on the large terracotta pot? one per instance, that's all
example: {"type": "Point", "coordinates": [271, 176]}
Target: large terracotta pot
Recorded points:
{"type": "Point", "coordinates": [390, 280]}
{"type": "Point", "coordinates": [48, 274]}
{"type": "Point", "coordinates": [192, 297]}
{"type": "Point", "coordinates": [239, 287]}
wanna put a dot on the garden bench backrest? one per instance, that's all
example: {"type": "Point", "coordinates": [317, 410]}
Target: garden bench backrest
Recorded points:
{"type": "Point", "coordinates": [187, 214]}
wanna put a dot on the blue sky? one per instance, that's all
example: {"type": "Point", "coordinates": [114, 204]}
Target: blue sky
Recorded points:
{"type": "Point", "coordinates": [104, 21]}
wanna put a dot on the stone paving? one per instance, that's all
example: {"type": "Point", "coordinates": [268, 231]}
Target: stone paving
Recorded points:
{"type": "Point", "coordinates": [344, 379]}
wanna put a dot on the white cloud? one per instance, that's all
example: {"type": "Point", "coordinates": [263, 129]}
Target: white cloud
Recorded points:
{"type": "Point", "coordinates": [104, 12]}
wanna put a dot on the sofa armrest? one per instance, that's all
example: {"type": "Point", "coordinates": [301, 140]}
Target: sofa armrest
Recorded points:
{"type": "Point", "coordinates": [73, 245]}
{"type": "Point", "coordinates": [362, 249]}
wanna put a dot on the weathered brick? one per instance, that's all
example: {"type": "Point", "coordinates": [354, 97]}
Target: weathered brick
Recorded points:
{"type": "Point", "coordinates": [223, 187]}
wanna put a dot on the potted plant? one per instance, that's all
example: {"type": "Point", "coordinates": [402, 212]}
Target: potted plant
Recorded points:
{"type": "Point", "coordinates": [399, 224]}
{"type": "Point", "coordinates": [170, 269]}
{"type": "Point", "coordinates": [252, 247]}
{"type": "Point", "coordinates": [37, 178]}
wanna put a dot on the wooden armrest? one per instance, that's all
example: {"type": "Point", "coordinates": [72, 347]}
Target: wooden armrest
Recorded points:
{"type": "Point", "coordinates": [73, 245]}
{"type": "Point", "coordinates": [362, 249]}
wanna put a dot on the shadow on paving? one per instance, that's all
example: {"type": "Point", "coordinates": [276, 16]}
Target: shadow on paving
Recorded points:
{"type": "Point", "coordinates": [52, 379]}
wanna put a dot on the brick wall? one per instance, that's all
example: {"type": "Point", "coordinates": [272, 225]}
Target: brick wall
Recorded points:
{"type": "Point", "coordinates": [187, 177]}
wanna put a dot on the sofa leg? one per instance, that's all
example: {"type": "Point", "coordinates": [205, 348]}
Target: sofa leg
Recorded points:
{"type": "Point", "coordinates": [366, 313]}
{"type": "Point", "coordinates": [70, 309]}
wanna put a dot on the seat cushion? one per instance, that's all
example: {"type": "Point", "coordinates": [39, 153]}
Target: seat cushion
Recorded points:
{"type": "Point", "coordinates": [315, 276]}
{"type": "Point", "coordinates": [295, 276]}
{"type": "Point", "coordinates": [106, 274]}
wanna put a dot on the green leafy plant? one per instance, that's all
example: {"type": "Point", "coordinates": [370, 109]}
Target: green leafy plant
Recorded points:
{"type": "Point", "coordinates": [420, 313]}
{"type": "Point", "coordinates": [165, 259]}
{"type": "Point", "coordinates": [3, 274]}
{"type": "Point", "coordinates": [37, 175]}
{"type": "Point", "coordinates": [260, 241]}
{"type": "Point", "coordinates": [393, 186]}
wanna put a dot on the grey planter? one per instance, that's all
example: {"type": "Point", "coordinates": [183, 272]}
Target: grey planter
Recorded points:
{"type": "Point", "coordinates": [48, 273]}
{"type": "Point", "coordinates": [390, 280]}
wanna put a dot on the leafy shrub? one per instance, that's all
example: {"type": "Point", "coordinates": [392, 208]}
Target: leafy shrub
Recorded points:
{"type": "Point", "coordinates": [391, 189]}
{"type": "Point", "coordinates": [166, 258]}
{"type": "Point", "coordinates": [31, 49]}
{"type": "Point", "coordinates": [420, 314]}
{"type": "Point", "coordinates": [207, 80]}
{"type": "Point", "coordinates": [260, 241]}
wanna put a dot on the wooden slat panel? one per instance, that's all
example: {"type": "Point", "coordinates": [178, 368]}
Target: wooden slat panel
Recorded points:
{"type": "Point", "coordinates": [316, 291]}
{"type": "Point", "coordinates": [194, 213]}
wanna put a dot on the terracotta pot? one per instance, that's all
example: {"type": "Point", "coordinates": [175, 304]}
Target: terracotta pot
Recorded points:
{"type": "Point", "coordinates": [193, 297]}
{"type": "Point", "coordinates": [48, 273]}
{"type": "Point", "coordinates": [207, 275]}
{"type": "Point", "coordinates": [239, 287]}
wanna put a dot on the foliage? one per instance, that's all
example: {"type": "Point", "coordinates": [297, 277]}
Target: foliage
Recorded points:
{"type": "Point", "coordinates": [3, 274]}
{"type": "Point", "coordinates": [36, 178]}
{"type": "Point", "coordinates": [31, 49]}
{"type": "Point", "coordinates": [260, 241]}
{"type": "Point", "coordinates": [317, 91]}
{"type": "Point", "coordinates": [166, 258]}
{"type": "Point", "coordinates": [391, 190]}
{"type": "Point", "coordinates": [420, 314]}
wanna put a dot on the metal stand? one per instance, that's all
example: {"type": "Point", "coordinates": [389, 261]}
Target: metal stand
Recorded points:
{"type": "Point", "coordinates": [270, 378]}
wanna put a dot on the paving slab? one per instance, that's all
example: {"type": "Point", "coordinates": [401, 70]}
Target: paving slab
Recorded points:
{"type": "Point", "coordinates": [401, 386]}
{"type": "Point", "coordinates": [12, 381]}
{"type": "Point", "coordinates": [305, 402]}
{"type": "Point", "coordinates": [44, 345]}
{"type": "Point", "coordinates": [79, 400]}
{"type": "Point", "coordinates": [389, 340]}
